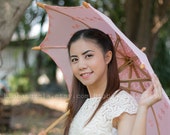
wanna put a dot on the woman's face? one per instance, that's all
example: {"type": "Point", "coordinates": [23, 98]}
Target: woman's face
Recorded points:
{"type": "Point", "coordinates": [88, 62]}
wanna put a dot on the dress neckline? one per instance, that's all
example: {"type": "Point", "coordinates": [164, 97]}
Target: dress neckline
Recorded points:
{"type": "Point", "coordinates": [93, 98]}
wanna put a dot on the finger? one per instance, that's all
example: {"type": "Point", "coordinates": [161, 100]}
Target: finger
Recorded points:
{"type": "Point", "coordinates": [157, 86]}
{"type": "Point", "coordinates": [150, 89]}
{"type": "Point", "coordinates": [155, 81]}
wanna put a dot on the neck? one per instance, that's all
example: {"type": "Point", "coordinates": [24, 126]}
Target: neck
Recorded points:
{"type": "Point", "coordinates": [97, 90]}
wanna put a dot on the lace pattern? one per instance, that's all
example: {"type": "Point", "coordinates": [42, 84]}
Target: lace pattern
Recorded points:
{"type": "Point", "coordinates": [101, 124]}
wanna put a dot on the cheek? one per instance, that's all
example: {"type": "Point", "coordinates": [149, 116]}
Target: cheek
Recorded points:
{"type": "Point", "coordinates": [74, 69]}
{"type": "Point", "coordinates": [99, 65]}
{"type": "Point", "coordinates": [99, 61]}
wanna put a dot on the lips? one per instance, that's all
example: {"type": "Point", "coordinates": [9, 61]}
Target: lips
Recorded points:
{"type": "Point", "coordinates": [86, 75]}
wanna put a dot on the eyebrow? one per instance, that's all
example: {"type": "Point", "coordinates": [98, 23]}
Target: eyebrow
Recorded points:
{"type": "Point", "coordinates": [82, 53]}
{"type": "Point", "coordinates": [87, 52]}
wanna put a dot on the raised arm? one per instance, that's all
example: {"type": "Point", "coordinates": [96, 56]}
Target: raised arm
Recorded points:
{"type": "Point", "coordinates": [136, 124]}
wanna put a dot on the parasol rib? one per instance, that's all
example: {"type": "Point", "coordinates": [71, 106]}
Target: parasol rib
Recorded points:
{"type": "Point", "coordinates": [51, 47]}
{"type": "Point", "coordinates": [135, 80]}
{"type": "Point", "coordinates": [137, 74]}
{"type": "Point", "coordinates": [130, 90]}
{"type": "Point", "coordinates": [120, 53]}
{"type": "Point", "coordinates": [141, 70]}
{"type": "Point", "coordinates": [125, 65]}
{"type": "Point", "coordinates": [157, 125]}
{"type": "Point", "coordinates": [117, 42]}
{"type": "Point", "coordinates": [48, 47]}
{"type": "Point", "coordinates": [130, 76]}
{"type": "Point", "coordinates": [119, 39]}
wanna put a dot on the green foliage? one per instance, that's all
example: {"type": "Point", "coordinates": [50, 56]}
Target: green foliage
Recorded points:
{"type": "Point", "coordinates": [48, 66]}
{"type": "Point", "coordinates": [63, 2]}
{"type": "Point", "coordinates": [161, 62]}
{"type": "Point", "coordinates": [114, 9]}
{"type": "Point", "coordinates": [21, 82]}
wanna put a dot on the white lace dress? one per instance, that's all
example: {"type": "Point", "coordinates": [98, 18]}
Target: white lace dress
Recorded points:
{"type": "Point", "coordinates": [101, 124]}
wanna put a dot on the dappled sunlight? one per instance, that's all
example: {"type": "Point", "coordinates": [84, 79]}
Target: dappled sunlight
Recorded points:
{"type": "Point", "coordinates": [56, 102]}
{"type": "Point", "coordinates": [34, 112]}
{"type": "Point", "coordinates": [43, 79]}
{"type": "Point", "coordinates": [59, 76]}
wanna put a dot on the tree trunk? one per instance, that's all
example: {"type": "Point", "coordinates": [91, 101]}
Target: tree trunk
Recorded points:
{"type": "Point", "coordinates": [144, 19]}
{"type": "Point", "coordinates": [11, 13]}
{"type": "Point", "coordinates": [132, 21]}
{"type": "Point", "coordinates": [145, 24]}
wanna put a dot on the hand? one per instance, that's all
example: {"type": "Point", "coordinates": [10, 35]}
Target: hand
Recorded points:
{"type": "Point", "coordinates": [42, 133]}
{"type": "Point", "coordinates": [153, 94]}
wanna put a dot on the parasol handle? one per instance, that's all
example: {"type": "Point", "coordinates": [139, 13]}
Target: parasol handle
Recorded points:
{"type": "Point", "coordinates": [56, 122]}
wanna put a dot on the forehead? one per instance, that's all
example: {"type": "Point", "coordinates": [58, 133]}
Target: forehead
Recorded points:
{"type": "Point", "coordinates": [82, 45]}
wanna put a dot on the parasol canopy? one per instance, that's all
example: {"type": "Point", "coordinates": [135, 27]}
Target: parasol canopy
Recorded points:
{"type": "Point", "coordinates": [134, 67]}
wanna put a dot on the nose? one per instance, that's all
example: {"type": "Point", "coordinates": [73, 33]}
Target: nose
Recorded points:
{"type": "Point", "coordinates": [82, 64]}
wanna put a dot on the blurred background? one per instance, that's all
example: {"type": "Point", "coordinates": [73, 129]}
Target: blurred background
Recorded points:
{"type": "Point", "coordinates": [33, 92]}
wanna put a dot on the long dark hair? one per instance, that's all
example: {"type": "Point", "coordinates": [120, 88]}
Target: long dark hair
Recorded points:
{"type": "Point", "coordinates": [79, 91]}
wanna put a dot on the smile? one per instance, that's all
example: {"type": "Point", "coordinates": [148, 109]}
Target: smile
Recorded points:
{"type": "Point", "coordinates": [85, 75]}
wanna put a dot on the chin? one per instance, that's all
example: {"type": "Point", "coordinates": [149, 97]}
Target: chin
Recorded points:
{"type": "Point", "coordinates": [87, 84]}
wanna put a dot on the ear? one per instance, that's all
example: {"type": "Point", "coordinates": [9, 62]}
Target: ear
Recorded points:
{"type": "Point", "coordinates": [108, 57]}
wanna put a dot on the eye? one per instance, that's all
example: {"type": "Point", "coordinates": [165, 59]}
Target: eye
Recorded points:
{"type": "Point", "coordinates": [74, 60]}
{"type": "Point", "coordinates": [88, 56]}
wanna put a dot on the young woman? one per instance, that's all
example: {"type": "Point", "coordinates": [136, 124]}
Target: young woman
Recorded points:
{"type": "Point", "coordinates": [97, 105]}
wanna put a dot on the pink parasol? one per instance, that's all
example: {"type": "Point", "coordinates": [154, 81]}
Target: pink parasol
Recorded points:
{"type": "Point", "coordinates": [134, 67]}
